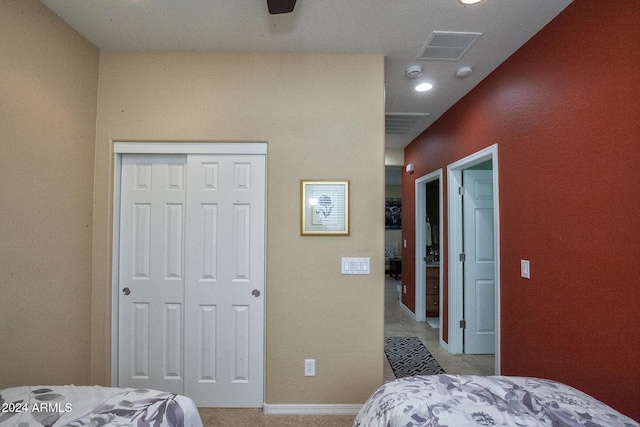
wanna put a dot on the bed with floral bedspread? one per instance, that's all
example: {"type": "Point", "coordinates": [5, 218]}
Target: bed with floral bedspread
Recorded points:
{"type": "Point", "coordinates": [466, 400]}
{"type": "Point", "coordinates": [95, 406]}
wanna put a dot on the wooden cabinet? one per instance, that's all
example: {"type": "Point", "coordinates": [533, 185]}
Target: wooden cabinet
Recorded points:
{"type": "Point", "coordinates": [433, 291]}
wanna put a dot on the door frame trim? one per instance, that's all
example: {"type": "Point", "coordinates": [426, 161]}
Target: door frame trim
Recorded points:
{"type": "Point", "coordinates": [420, 273]}
{"type": "Point", "coordinates": [125, 147]}
{"type": "Point", "coordinates": [138, 147]}
{"type": "Point", "coordinates": [455, 242]}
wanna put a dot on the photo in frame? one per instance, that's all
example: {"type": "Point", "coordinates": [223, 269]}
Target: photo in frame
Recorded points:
{"type": "Point", "coordinates": [324, 207]}
{"type": "Point", "coordinates": [393, 213]}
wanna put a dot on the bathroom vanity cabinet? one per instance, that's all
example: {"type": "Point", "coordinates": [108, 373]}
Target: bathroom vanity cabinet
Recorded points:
{"type": "Point", "coordinates": [433, 290]}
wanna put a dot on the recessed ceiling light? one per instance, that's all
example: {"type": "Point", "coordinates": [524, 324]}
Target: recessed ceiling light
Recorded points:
{"type": "Point", "coordinates": [470, 1]}
{"type": "Point", "coordinates": [423, 87]}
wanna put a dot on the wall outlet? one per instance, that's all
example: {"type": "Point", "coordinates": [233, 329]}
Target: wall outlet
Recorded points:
{"type": "Point", "coordinates": [309, 367]}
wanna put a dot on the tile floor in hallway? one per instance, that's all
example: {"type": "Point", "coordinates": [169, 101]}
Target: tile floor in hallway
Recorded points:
{"type": "Point", "coordinates": [399, 322]}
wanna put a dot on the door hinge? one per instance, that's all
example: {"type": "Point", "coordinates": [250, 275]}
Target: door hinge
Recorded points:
{"type": "Point", "coordinates": [461, 191]}
{"type": "Point", "coordinates": [463, 257]}
{"type": "Point", "coordinates": [463, 324]}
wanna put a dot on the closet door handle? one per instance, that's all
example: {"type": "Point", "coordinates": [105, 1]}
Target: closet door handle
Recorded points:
{"type": "Point", "coordinates": [255, 293]}
{"type": "Point", "coordinates": [126, 291]}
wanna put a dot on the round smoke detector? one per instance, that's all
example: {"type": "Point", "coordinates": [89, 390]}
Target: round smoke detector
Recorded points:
{"type": "Point", "coordinates": [414, 71]}
{"type": "Point", "coordinates": [464, 72]}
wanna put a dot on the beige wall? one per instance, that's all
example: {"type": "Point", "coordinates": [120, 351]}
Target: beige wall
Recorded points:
{"type": "Point", "coordinates": [48, 95]}
{"type": "Point", "coordinates": [394, 157]}
{"type": "Point", "coordinates": [393, 191]}
{"type": "Point", "coordinates": [323, 118]}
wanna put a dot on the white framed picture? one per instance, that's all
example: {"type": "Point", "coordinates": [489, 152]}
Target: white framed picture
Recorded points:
{"type": "Point", "coordinates": [324, 207]}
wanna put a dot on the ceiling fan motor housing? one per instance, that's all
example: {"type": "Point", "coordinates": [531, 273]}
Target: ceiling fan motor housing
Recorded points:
{"type": "Point", "coordinates": [280, 6]}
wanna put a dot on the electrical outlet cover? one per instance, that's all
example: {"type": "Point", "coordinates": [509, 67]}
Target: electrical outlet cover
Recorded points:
{"type": "Point", "coordinates": [310, 367]}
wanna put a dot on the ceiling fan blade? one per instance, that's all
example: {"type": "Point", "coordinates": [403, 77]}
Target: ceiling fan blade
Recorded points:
{"type": "Point", "coordinates": [280, 6]}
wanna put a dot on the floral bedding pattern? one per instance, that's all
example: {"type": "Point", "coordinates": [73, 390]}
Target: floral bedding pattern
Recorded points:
{"type": "Point", "coordinates": [467, 400]}
{"type": "Point", "coordinates": [95, 406]}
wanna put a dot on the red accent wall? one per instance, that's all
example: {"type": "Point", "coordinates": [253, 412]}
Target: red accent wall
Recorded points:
{"type": "Point", "coordinates": [565, 113]}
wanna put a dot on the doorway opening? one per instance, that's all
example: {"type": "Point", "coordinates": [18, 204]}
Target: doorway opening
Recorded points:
{"type": "Point", "coordinates": [474, 240]}
{"type": "Point", "coordinates": [393, 243]}
{"type": "Point", "coordinates": [429, 214]}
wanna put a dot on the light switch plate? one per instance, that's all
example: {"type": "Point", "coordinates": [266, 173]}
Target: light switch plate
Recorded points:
{"type": "Point", "coordinates": [355, 266]}
{"type": "Point", "coordinates": [525, 269]}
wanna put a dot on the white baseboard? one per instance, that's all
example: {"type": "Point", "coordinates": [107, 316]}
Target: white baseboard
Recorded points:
{"type": "Point", "coordinates": [312, 409]}
{"type": "Point", "coordinates": [444, 344]}
{"type": "Point", "coordinates": [407, 309]}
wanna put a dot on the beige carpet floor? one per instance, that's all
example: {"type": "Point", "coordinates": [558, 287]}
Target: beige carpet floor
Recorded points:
{"type": "Point", "coordinates": [226, 417]}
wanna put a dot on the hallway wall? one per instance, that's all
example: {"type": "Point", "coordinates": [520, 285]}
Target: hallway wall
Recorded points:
{"type": "Point", "coordinates": [565, 113]}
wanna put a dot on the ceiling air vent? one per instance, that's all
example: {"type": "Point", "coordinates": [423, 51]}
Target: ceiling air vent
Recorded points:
{"type": "Point", "coordinates": [402, 123]}
{"type": "Point", "coordinates": [448, 45]}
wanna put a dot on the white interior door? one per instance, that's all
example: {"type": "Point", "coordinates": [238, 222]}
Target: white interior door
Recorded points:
{"type": "Point", "coordinates": [191, 272]}
{"type": "Point", "coordinates": [151, 277]}
{"type": "Point", "coordinates": [225, 280]}
{"type": "Point", "coordinates": [479, 265]}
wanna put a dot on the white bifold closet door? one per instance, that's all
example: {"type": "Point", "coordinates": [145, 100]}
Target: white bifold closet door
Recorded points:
{"type": "Point", "coordinates": [191, 276]}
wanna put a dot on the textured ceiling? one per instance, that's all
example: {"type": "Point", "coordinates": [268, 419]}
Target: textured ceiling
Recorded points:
{"type": "Point", "coordinates": [399, 30]}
